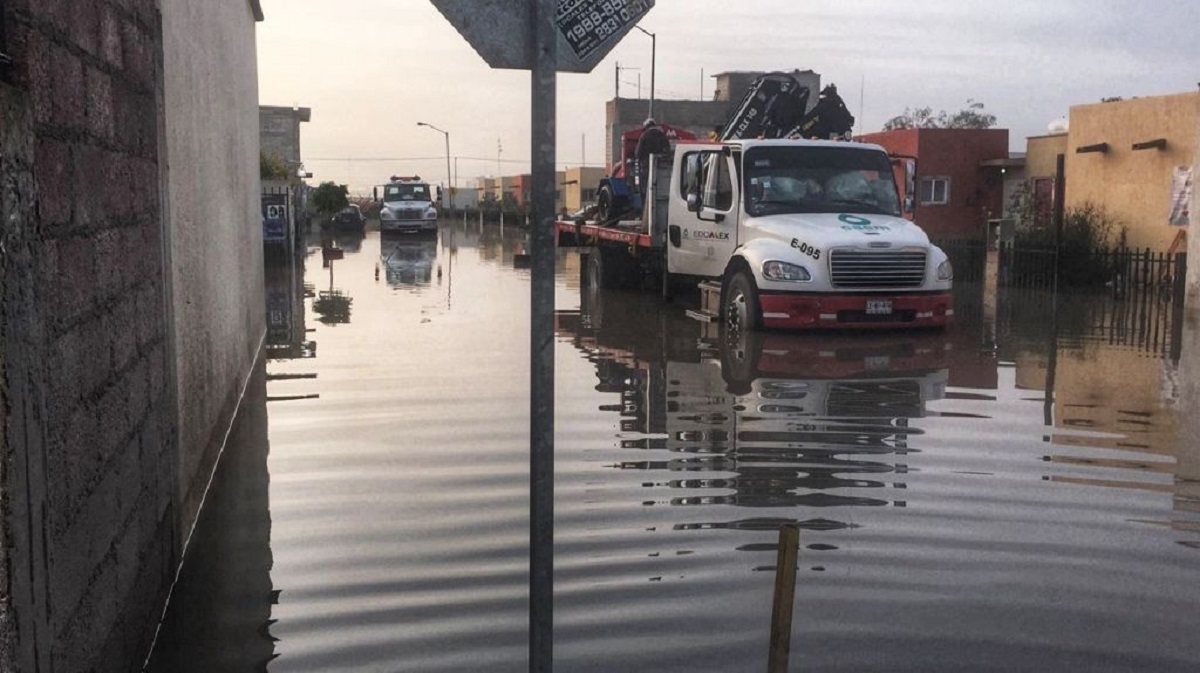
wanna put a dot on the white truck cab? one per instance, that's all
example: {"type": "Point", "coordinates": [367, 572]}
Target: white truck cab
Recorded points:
{"type": "Point", "coordinates": [408, 206]}
{"type": "Point", "coordinates": [802, 234]}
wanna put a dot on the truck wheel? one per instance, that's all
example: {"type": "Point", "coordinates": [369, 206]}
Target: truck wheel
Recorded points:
{"type": "Point", "coordinates": [605, 202]}
{"type": "Point", "coordinates": [609, 269]}
{"type": "Point", "coordinates": [741, 307]}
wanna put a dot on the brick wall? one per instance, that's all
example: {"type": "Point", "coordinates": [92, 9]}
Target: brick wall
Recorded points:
{"type": "Point", "coordinates": [88, 377]}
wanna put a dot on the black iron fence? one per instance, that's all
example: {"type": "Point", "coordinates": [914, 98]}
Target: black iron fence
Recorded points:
{"type": "Point", "coordinates": [1123, 272]}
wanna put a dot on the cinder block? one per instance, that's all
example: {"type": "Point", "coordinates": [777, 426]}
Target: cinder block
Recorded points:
{"type": "Point", "coordinates": [120, 335]}
{"type": "Point", "coordinates": [84, 25]}
{"type": "Point", "coordinates": [110, 36]}
{"type": "Point", "coordinates": [138, 55]}
{"type": "Point", "coordinates": [73, 291]}
{"type": "Point", "coordinates": [66, 83]}
{"type": "Point", "coordinates": [52, 175]}
{"type": "Point", "coordinates": [99, 104]}
{"type": "Point", "coordinates": [90, 166]}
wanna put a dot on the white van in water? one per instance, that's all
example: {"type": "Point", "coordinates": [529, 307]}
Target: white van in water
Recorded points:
{"type": "Point", "coordinates": [408, 206]}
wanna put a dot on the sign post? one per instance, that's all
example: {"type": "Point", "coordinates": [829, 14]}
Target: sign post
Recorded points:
{"type": "Point", "coordinates": [545, 37]}
{"type": "Point", "coordinates": [544, 60]}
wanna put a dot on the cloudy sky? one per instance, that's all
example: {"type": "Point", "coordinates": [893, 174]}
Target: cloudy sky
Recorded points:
{"type": "Point", "coordinates": [372, 69]}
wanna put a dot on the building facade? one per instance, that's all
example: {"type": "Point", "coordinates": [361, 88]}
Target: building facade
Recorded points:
{"type": "Point", "coordinates": [580, 185]}
{"type": "Point", "coordinates": [279, 129]}
{"type": "Point", "coordinates": [960, 177]}
{"type": "Point", "coordinates": [1125, 157]}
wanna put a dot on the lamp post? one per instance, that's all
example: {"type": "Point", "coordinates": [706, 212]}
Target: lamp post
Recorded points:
{"type": "Point", "coordinates": [449, 176]}
{"type": "Point", "coordinates": [653, 60]}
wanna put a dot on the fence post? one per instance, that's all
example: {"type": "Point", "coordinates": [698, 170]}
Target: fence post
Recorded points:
{"type": "Point", "coordinates": [785, 598]}
{"type": "Point", "coordinates": [1178, 300]}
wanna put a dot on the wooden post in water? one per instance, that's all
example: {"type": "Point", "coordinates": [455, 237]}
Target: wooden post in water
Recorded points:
{"type": "Point", "coordinates": [785, 598]}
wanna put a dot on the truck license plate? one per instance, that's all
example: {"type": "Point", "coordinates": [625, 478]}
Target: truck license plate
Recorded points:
{"type": "Point", "coordinates": [879, 307]}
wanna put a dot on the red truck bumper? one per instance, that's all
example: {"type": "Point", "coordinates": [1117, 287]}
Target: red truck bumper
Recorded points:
{"type": "Point", "coordinates": [818, 311]}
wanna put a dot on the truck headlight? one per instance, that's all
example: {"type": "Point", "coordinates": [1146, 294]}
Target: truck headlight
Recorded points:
{"type": "Point", "coordinates": [789, 273]}
{"type": "Point", "coordinates": [431, 214]}
{"type": "Point", "coordinates": [945, 271]}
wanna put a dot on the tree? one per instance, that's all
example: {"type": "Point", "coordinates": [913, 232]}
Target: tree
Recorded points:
{"type": "Point", "coordinates": [271, 167]}
{"type": "Point", "coordinates": [330, 198]}
{"type": "Point", "coordinates": [973, 116]}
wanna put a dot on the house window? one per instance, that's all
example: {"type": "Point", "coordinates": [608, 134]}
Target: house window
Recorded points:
{"type": "Point", "coordinates": [935, 191]}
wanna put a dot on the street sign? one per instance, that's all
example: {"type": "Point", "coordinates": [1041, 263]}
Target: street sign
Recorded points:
{"type": "Point", "coordinates": [500, 30]}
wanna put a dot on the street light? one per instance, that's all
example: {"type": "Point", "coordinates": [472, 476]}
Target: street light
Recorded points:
{"type": "Point", "coordinates": [653, 60]}
{"type": "Point", "coordinates": [449, 176]}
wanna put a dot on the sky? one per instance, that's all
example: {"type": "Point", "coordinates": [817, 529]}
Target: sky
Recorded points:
{"type": "Point", "coordinates": [371, 69]}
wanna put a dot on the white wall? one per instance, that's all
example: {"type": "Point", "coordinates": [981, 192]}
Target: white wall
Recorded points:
{"type": "Point", "coordinates": [215, 225]}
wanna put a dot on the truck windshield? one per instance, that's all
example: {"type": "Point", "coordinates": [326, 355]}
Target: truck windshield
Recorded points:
{"type": "Point", "coordinates": [406, 193]}
{"type": "Point", "coordinates": [839, 179]}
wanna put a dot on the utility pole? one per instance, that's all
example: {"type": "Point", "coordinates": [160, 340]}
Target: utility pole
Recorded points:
{"type": "Point", "coordinates": [653, 66]}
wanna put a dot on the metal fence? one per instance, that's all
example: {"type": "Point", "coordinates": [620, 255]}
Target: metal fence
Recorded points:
{"type": "Point", "coordinates": [1124, 272]}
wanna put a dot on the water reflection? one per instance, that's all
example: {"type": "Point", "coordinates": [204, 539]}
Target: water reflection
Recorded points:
{"type": "Point", "coordinates": [333, 305]}
{"type": "Point", "coordinates": [408, 261]}
{"type": "Point", "coordinates": [808, 423]}
{"type": "Point", "coordinates": [219, 617]}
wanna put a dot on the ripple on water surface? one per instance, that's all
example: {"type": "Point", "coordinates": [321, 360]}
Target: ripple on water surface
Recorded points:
{"type": "Point", "coordinates": [974, 500]}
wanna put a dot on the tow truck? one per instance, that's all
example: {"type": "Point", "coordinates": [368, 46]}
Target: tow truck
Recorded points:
{"type": "Point", "coordinates": [408, 206]}
{"type": "Point", "coordinates": [779, 230]}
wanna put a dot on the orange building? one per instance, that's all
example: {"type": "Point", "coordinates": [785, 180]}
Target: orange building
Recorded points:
{"type": "Point", "coordinates": [960, 181]}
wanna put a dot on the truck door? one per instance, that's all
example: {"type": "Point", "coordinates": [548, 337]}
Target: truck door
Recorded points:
{"type": "Point", "coordinates": [704, 214]}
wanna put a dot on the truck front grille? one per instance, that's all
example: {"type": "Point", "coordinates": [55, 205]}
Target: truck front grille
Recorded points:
{"type": "Point", "coordinates": [877, 269]}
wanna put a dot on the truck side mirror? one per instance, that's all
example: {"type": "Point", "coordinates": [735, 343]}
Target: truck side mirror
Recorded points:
{"type": "Point", "coordinates": [694, 203]}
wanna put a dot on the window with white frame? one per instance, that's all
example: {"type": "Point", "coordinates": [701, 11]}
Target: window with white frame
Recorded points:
{"type": "Point", "coordinates": [935, 191]}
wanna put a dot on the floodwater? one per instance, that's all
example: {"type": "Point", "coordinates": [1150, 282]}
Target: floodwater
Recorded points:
{"type": "Point", "coordinates": [1017, 494]}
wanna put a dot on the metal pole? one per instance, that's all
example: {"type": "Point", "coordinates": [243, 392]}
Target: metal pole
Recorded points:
{"type": "Point", "coordinates": [449, 175]}
{"type": "Point", "coordinates": [653, 68]}
{"type": "Point", "coordinates": [617, 95]}
{"type": "Point", "coordinates": [544, 90]}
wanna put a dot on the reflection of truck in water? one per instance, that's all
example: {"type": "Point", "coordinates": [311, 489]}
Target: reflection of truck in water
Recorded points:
{"type": "Point", "coordinates": [762, 421]}
{"type": "Point", "coordinates": [408, 262]}
{"type": "Point", "coordinates": [777, 232]}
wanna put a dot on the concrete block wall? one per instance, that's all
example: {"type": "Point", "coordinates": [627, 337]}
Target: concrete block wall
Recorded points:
{"type": "Point", "coordinates": [215, 223]}
{"type": "Point", "coordinates": [91, 524]}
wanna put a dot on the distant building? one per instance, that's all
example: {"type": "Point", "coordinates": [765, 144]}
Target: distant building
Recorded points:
{"type": "Point", "coordinates": [465, 198]}
{"type": "Point", "coordinates": [695, 116]}
{"type": "Point", "coordinates": [960, 177]}
{"type": "Point", "coordinates": [279, 132]}
{"type": "Point", "coordinates": [580, 186]}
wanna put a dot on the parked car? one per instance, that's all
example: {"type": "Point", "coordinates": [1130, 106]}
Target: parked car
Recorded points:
{"type": "Point", "coordinates": [350, 217]}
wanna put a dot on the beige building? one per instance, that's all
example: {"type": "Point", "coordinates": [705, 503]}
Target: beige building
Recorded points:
{"type": "Point", "coordinates": [579, 187]}
{"type": "Point", "coordinates": [1122, 156]}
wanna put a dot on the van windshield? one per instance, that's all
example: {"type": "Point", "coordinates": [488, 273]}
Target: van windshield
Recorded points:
{"type": "Point", "coordinates": [781, 180]}
{"type": "Point", "coordinates": [406, 193]}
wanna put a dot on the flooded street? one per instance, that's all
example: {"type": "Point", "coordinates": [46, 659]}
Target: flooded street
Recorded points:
{"type": "Point", "coordinates": [1015, 494]}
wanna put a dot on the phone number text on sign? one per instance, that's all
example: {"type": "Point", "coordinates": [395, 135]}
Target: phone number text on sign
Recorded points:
{"type": "Point", "coordinates": [587, 24]}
